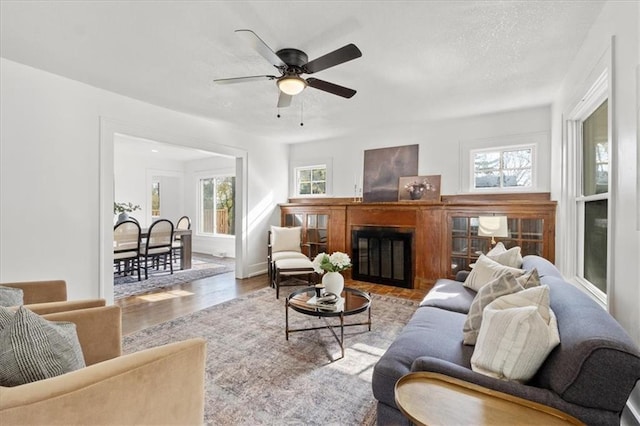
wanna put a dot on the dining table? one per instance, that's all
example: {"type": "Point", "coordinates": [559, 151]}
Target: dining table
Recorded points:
{"type": "Point", "coordinates": [185, 240]}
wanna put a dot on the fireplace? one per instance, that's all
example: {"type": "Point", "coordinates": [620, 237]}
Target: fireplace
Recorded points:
{"type": "Point", "coordinates": [382, 255]}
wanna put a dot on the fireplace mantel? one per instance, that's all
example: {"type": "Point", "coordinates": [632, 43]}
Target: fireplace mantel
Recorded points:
{"type": "Point", "coordinates": [438, 244]}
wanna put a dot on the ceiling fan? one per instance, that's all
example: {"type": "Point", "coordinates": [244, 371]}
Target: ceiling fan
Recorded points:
{"type": "Point", "coordinates": [292, 63]}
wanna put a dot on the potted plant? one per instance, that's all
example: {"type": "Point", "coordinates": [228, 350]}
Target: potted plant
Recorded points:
{"type": "Point", "coordinates": [123, 210]}
{"type": "Point", "coordinates": [332, 264]}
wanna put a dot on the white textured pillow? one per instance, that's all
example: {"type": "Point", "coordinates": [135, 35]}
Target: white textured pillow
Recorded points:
{"type": "Point", "coordinates": [32, 348]}
{"type": "Point", "coordinates": [529, 279]}
{"type": "Point", "coordinates": [10, 296]}
{"type": "Point", "coordinates": [285, 239]}
{"type": "Point", "coordinates": [504, 284]}
{"type": "Point", "coordinates": [511, 257]}
{"type": "Point", "coordinates": [517, 334]}
{"type": "Point", "coordinates": [487, 270]}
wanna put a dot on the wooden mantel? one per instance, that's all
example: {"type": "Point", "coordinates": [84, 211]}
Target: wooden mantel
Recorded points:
{"type": "Point", "coordinates": [432, 223]}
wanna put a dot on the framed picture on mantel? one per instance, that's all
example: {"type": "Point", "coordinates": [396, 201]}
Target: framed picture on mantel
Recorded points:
{"type": "Point", "coordinates": [382, 170]}
{"type": "Point", "coordinates": [419, 188]}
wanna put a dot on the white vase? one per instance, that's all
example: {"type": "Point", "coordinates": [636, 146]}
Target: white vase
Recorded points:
{"type": "Point", "coordinates": [333, 282]}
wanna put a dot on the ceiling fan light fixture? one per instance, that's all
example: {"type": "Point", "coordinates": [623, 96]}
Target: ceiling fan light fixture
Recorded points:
{"type": "Point", "coordinates": [291, 84]}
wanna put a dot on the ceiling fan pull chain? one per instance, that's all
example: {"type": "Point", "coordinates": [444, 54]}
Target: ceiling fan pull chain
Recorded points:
{"type": "Point", "coordinates": [278, 115]}
{"type": "Point", "coordinates": [301, 113]}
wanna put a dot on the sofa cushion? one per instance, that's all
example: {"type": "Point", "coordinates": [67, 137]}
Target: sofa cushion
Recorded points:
{"type": "Point", "coordinates": [450, 295]}
{"type": "Point", "coordinates": [285, 239]}
{"type": "Point", "coordinates": [487, 270]}
{"type": "Point", "coordinates": [32, 348]}
{"type": "Point", "coordinates": [504, 284]}
{"type": "Point", "coordinates": [511, 257]}
{"type": "Point", "coordinates": [590, 338]}
{"type": "Point", "coordinates": [430, 332]}
{"type": "Point", "coordinates": [542, 265]}
{"type": "Point", "coordinates": [10, 296]}
{"type": "Point", "coordinates": [517, 333]}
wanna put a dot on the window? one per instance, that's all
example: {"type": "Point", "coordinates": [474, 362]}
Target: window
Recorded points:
{"type": "Point", "coordinates": [592, 201]}
{"type": "Point", "coordinates": [217, 207]}
{"type": "Point", "coordinates": [311, 180]}
{"type": "Point", "coordinates": [505, 168]}
{"type": "Point", "coordinates": [155, 199]}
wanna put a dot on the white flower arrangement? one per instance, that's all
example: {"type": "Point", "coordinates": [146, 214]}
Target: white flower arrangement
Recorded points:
{"type": "Point", "coordinates": [335, 262]}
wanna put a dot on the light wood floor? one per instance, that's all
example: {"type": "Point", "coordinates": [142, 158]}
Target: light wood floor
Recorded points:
{"type": "Point", "coordinates": [143, 311]}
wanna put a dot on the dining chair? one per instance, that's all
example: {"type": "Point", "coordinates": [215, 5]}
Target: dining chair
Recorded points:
{"type": "Point", "coordinates": [183, 223]}
{"type": "Point", "coordinates": [157, 246]}
{"type": "Point", "coordinates": [126, 247]}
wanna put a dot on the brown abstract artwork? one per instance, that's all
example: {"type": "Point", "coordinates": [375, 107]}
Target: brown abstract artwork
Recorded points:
{"type": "Point", "coordinates": [383, 168]}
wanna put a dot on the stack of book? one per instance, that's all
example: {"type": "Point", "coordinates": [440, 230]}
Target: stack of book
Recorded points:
{"type": "Point", "coordinates": [329, 303]}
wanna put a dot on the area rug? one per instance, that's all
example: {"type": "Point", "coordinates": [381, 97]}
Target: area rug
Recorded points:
{"type": "Point", "coordinates": [203, 266]}
{"type": "Point", "coordinates": [255, 376]}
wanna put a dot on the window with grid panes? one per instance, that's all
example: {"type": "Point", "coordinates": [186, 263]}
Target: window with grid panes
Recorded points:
{"type": "Point", "coordinates": [311, 180]}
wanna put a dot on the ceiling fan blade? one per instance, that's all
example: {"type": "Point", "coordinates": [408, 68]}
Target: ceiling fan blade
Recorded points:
{"type": "Point", "coordinates": [261, 47]}
{"type": "Point", "coordinates": [337, 57]}
{"type": "Point", "coordinates": [244, 79]}
{"type": "Point", "coordinates": [345, 92]}
{"type": "Point", "coordinates": [284, 100]}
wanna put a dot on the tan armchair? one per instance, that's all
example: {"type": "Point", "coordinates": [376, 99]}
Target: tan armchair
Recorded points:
{"type": "Point", "coordinates": [162, 385]}
{"type": "Point", "coordinates": [46, 297]}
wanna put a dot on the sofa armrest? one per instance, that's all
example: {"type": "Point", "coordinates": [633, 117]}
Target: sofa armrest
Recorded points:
{"type": "Point", "coordinates": [462, 275]}
{"type": "Point", "coordinates": [71, 305]}
{"type": "Point", "coordinates": [162, 385]}
{"type": "Point", "coordinates": [99, 331]}
{"type": "Point", "coordinates": [41, 291]}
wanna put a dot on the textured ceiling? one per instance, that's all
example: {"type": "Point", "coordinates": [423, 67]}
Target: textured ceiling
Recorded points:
{"type": "Point", "coordinates": [421, 61]}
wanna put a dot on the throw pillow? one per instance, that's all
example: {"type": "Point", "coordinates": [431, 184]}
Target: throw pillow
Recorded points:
{"type": "Point", "coordinates": [511, 257]}
{"type": "Point", "coordinates": [504, 284]}
{"type": "Point", "coordinates": [32, 348]}
{"type": "Point", "coordinates": [10, 296]}
{"type": "Point", "coordinates": [285, 239]}
{"type": "Point", "coordinates": [487, 270]}
{"type": "Point", "coordinates": [529, 279]}
{"type": "Point", "coordinates": [517, 334]}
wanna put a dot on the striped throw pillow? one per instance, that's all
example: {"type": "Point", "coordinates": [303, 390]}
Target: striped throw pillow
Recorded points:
{"type": "Point", "coordinates": [32, 348]}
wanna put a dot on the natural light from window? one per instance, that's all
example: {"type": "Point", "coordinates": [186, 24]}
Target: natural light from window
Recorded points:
{"type": "Point", "coordinates": [503, 169]}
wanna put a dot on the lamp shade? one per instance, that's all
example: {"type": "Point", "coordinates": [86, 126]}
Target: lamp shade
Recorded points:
{"type": "Point", "coordinates": [291, 84]}
{"type": "Point", "coordinates": [493, 226]}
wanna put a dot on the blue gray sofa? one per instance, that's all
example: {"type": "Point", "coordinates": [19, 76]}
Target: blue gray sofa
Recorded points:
{"type": "Point", "coordinates": [590, 375]}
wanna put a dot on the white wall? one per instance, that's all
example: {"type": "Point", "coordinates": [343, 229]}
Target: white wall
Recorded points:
{"type": "Point", "coordinates": [132, 175]}
{"type": "Point", "coordinates": [440, 144]}
{"type": "Point", "coordinates": [51, 222]}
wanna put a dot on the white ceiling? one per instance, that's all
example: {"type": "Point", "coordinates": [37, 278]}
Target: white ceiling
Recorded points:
{"type": "Point", "coordinates": [422, 60]}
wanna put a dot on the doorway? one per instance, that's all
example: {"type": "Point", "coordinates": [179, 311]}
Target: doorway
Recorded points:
{"type": "Point", "coordinates": [110, 133]}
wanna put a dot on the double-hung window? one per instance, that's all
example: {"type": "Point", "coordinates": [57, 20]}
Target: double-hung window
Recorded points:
{"type": "Point", "coordinates": [592, 201]}
{"type": "Point", "coordinates": [217, 207]}
{"type": "Point", "coordinates": [505, 168]}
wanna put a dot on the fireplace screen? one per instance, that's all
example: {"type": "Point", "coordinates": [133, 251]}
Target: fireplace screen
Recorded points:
{"type": "Point", "coordinates": [382, 255]}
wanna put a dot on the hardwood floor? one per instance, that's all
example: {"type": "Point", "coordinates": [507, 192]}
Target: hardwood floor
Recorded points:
{"type": "Point", "coordinates": [143, 311]}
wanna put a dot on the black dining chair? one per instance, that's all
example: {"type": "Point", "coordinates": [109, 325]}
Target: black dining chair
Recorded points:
{"type": "Point", "coordinates": [183, 223]}
{"type": "Point", "coordinates": [126, 247]}
{"type": "Point", "coordinates": [157, 246]}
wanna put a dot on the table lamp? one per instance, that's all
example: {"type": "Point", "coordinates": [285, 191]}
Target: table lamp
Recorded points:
{"type": "Point", "coordinates": [492, 226]}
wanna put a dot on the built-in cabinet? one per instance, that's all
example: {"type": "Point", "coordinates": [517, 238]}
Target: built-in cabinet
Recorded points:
{"type": "Point", "coordinates": [445, 234]}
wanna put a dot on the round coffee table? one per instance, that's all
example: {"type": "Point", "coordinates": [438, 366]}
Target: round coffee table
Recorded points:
{"type": "Point", "coordinates": [354, 301]}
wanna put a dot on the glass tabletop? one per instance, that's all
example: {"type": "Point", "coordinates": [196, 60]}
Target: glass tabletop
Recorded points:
{"type": "Point", "coordinates": [353, 302]}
